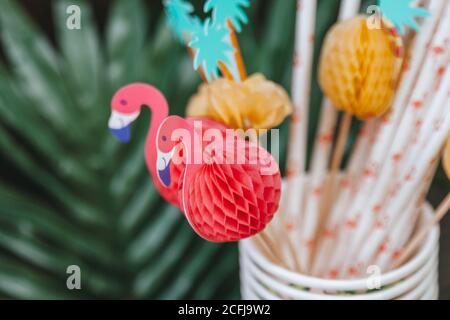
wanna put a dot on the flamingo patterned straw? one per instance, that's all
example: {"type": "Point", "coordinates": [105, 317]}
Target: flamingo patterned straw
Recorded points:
{"type": "Point", "coordinates": [408, 122]}
{"type": "Point", "coordinates": [435, 7]}
{"type": "Point", "coordinates": [324, 140]}
{"type": "Point", "coordinates": [301, 78]}
{"type": "Point", "coordinates": [441, 211]}
{"type": "Point", "coordinates": [345, 225]}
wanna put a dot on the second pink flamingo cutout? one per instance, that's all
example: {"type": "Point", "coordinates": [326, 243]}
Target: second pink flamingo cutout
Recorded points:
{"type": "Point", "coordinates": [222, 200]}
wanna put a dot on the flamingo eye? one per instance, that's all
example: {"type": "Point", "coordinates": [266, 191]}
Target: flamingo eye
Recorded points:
{"type": "Point", "coordinates": [164, 138]}
{"type": "Point", "coordinates": [123, 102]}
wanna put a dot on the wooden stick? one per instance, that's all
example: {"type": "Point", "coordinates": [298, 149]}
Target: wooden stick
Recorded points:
{"type": "Point", "coordinates": [340, 143]}
{"type": "Point", "coordinates": [290, 243]}
{"type": "Point", "coordinates": [264, 248]}
{"type": "Point", "coordinates": [238, 53]}
{"type": "Point", "coordinates": [269, 248]}
{"type": "Point", "coordinates": [273, 247]}
{"type": "Point", "coordinates": [225, 71]}
{"type": "Point", "coordinates": [442, 210]}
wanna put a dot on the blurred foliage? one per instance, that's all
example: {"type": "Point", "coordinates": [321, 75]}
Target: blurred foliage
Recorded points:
{"type": "Point", "coordinates": [69, 193]}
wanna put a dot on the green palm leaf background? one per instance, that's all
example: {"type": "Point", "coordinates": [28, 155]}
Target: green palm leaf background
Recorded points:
{"type": "Point", "coordinates": [69, 193]}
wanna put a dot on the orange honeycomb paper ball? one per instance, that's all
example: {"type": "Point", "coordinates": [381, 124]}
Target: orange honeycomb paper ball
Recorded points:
{"type": "Point", "coordinates": [359, 68]}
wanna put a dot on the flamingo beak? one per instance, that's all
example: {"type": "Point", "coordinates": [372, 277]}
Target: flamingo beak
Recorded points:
{"type": "Point", "coordinates": [163, 167]}
{"type": "Point", "coordinates": [120, 125]}
{"type": "Point", "coordinates": [123, 134]}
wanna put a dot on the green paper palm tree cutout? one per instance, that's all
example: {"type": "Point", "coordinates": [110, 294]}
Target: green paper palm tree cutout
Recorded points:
{"type": "Point", "coordinates": [179, 17]}
{"type": "Point", "coordinates": [211, 47]}
{"type": "Point", "coordinates": [401, 12]}
{"type": "Point", "coordinates": [196, 27]}
{"type": "Point", "coordinates": [222, 10]}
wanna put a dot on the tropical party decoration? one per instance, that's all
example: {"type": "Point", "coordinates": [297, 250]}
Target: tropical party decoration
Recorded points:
{"type": "Point", "coordinates": [343, 76]}
{"type": "Point", "coordinates": [232, 15]}
{"type": "Point", "coordinates": [213, 43]}
{"type": "Point", "coordinates": [232, 190]}
{"type": "Point", "coordinates": [88, 192]}
{"type": "Point", "coordinates": [228, 96]}
{"type": "Point", "coordinates": [223, 198]}
{"type": "Point", "coordinates": [180, 19]}
{"type": "Point", "coordinates": [402, 12]}
{"type": "Point", "coordinates": [358, 68]}
{"type": "Point", "coordinates": [224, 11]}
{"type": "Point", "coordinates": [211, 49]}
{"type": "Point", "coordinates": [228, 10]}
{"type": "Point", "coordinates": [358, 72]}
{"type": "Point", "coordinates": [254, 103]}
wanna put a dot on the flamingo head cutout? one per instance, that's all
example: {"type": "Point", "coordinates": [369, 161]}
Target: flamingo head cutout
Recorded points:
{"type": "Point", "coordinates": [126, 105]}
{"type": "Point", "coordinates": [172, 131]}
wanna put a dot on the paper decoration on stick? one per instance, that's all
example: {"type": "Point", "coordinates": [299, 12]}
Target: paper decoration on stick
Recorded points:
{"type": "Point", "coordinates": [179, 17]}
{"type": "Point", "coordinates": [254, 103]}
{"type": "Point", "coordinates": [213, 44]}
{"type": "Point", "coordinates": [230, 14]}
{"type": "Point", "coordinates": [358, 68]}
{"type": "Point", "coordinates": [228, 10]}
{"type": "Point", "coordinates": [358, 71]}
{"type": "Point", "coordinates": [211, 47]}
{"type": "Point", "coordinates": [222, 200]}
{"type": "Point", "coordinates": [401, 13]}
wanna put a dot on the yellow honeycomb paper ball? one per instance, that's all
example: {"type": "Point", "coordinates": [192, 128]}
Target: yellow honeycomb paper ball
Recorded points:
{"type": "Point", "coordinates": [359, 68]}
{"type": "Point", "coordinates": [255, 103]}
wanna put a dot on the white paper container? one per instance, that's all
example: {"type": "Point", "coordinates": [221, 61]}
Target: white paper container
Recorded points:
{"type": "Point", "coordinates": [417, 279]}
{"type": "Point", "coordinates": [427, 289]}
{"type": "Point", "coordinates": [258, 283]}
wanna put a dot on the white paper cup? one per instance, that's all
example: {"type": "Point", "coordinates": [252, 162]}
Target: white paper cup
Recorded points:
{"type": "Point", "coordinates": [261, 279]}
{"type": "Point", "coordinates": [426, 288]}
{"type": "Point", "coordinates": [266, 287]}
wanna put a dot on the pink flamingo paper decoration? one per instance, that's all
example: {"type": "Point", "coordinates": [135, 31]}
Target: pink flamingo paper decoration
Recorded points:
{"type": "Point", "coordinates": [222, 200]}
{"type": "Point", "coordinates": [126, 107]}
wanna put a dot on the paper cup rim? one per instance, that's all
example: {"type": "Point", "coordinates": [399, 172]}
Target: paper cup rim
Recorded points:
{"type": "Point", "coordinates": [256, 278]}
{"type": "Point", "coordinates": [426, 287]}
{"type": "Point", "coordinates": [426, 250]}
